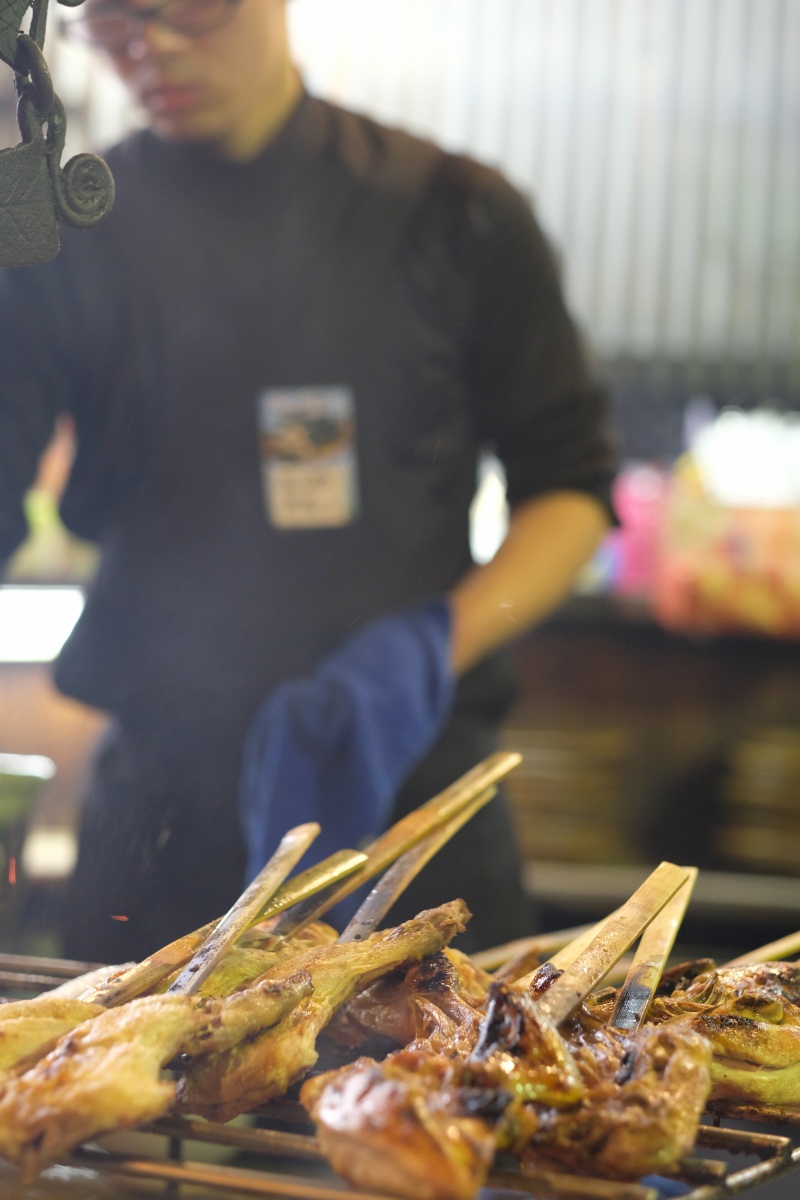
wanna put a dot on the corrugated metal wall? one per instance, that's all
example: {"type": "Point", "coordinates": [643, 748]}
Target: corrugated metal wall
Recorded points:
{"type": "Point", "coordinates": [658, 139]}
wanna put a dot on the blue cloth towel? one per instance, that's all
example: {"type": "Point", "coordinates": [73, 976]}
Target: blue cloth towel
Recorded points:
{"type": "Point", "coordinates": [336, 747]}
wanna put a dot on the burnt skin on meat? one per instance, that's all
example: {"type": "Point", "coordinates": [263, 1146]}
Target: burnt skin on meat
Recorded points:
{"type": "Point", "coordinates": [403, 1126]}
{"type": "Point", "coordinates": [596, 1099]}
{"type": "Point", "coordinates": [755, 1040]}
{"type": "Point", "coordinates": [440, 1000]}
{"type": "Point", "coordinates": [427, 1124]}
{"type": "Point", "coordinates": [646, 1092]}
{"type": "Point", "coordinates": [721, 984]}
{"type": "Point", "coordinates": [750, 1016]}
{"type": "Point", "coordinates": [226, 1084]}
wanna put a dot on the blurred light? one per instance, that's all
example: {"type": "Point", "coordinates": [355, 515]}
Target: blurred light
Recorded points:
{"type": "Point", "coordinates": [488, 516]}
{"type": "Point", "coordinates": [36, 765]}
{"type": "Point", "coordinates": [36, 621]}
{"type": "Point", "coordinates": [49, 852]}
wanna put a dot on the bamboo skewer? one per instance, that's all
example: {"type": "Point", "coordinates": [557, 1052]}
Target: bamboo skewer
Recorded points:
{"type": "Point", "coordinates": [306, 883]}
{"type": "Point", "coordinates": [404, 835]}
{"type": "Point", "coordinates": [565, 952]}
{"type": "Point", "coordinates": [618, 934]}
{"type": "Point", "coordinates": [652, 953]}
{"type": "Point", "coordinates": [784, 947]}
{"type": "Point", "coordinates": [151, 971]}
{"type": "Point", "coordinates": [247, 909]}
{"type": "Point", "coordinates": [567, 955]}
{"type": "Point", "coordinates": [537, 948]}
{"type": "Point", "coordinates": [311, 894]}
{"type": "Point", "coordinates": [394, 882]}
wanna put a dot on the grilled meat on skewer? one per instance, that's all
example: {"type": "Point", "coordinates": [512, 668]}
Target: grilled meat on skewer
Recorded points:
{"type": "Point", "coordinates": [780, 979]}
{"type": "Point", "coordinates": [755, 1042]}
{"type": "Point", "coordinates": [28, 1028]}
{"type": "Point", "coordinates": [402, 1126]}
{"type": "Point", "coordinates": [445, 991]}
{"type": "Point", "coordinates": [750, 1016]}
{"type": "Point", "coordinates": [105, 1074]}
{"type": "Point", "coordinates": [756, 1046]}
{"type": "Point", "coordinates": [247, 961]}
{"type": "Point", "coordinates": [426, 1124]}
{"type": "Point", "coordinates": [647, 1091]}
{"type": "Point", "coordinates": [226, 1084]}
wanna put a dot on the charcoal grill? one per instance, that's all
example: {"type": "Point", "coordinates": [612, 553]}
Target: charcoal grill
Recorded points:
{"type": "Point", "coordinates": [289, 1164]}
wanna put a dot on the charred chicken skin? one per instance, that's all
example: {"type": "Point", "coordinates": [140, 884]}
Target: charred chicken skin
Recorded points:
{"type": "Point", "coordinates": [223, 1085]}
{"type": "Point", "coordinates": [780, 979]}
{"type": "Point", "coordinates": [426, 1124]}
{"type": "Point", "coordinates": [750, 1016]}
{"type": "Point", "coordinates": [440, 1000]}
{"type": "Point", "coordinates": [403, 1126]}
{"type": "Point", "coordinates": [646, 1093]}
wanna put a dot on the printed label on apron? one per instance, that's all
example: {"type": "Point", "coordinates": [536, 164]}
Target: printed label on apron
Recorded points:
{"type": "Point", "coordinates": [308, 456]}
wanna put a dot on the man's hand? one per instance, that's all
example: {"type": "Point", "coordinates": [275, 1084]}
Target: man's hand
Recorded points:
{"type": "Point", "coordinates": [549, 539]}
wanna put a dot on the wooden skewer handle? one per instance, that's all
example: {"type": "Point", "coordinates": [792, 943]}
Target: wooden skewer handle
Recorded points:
{"type": "Point", "coordinates": [403, 835]}
{"type": "Point", "coordinates": [653, 950]}
{"type": "Point", "coordinates": [619, 933]}
{"type": "Point", "coordinates": [247, 908]}
{"type": "Point", "coordinates": [394, 882]}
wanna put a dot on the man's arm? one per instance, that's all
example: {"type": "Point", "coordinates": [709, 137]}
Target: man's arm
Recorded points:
{"type": "Point", "coordinates": [549, 539]}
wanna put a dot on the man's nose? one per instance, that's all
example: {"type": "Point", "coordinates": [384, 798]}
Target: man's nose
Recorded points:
{"type": "Point", "coordinates": [153, 39]}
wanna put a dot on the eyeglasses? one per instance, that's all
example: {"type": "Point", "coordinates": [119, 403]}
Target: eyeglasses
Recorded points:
{"type": "Point", "coordinates": [115, 26]}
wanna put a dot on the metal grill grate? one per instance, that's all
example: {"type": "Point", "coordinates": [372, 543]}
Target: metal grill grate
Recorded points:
{"type": "Point", "coordinates": [285, 1138]}
{"type": "Point", "coordinates": [709, 1178]}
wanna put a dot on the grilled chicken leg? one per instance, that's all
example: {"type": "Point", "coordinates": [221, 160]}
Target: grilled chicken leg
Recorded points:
{"type": "Point", "coordinates": [223, 1085]}
{"type": "Point", "coordinates": [106, 1073]}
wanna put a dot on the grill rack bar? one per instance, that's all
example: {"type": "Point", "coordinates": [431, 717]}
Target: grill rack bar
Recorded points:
{"type": "Point", "coordinates": [774, 1153]}
{"type": "Point", "coordinates": [31, 973]}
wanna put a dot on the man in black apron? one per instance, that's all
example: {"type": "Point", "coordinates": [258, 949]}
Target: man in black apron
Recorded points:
{"type": "Point", "coordinates": [284, 351]}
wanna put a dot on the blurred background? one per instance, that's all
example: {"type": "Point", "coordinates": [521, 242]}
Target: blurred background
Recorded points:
{"type": "Point", "coordinates": [659, 710]}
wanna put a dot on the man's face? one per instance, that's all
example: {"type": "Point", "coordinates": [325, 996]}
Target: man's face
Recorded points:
{"type": "Point", "coordinates": [229, 88]}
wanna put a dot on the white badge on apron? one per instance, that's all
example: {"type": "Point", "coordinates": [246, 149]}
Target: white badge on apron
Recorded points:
{"type": "Point", "coordinates": [308, 456]}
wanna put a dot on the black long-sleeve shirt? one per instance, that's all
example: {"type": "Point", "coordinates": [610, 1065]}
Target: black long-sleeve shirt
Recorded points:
{"type": "Point", "coordinates": [345, 255]}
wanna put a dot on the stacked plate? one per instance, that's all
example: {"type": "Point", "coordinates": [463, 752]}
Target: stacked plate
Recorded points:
{"type": "Point", "coordinates": [571, 795]}
{"type": "Point", "coordinates": [760, 825]}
